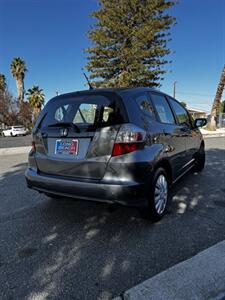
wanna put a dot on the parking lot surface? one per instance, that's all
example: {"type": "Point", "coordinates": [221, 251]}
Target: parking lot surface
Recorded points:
{"type": "Point", "coordinates": [72, 249]}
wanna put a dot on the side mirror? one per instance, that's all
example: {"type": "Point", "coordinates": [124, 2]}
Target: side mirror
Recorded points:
{"type": "Point", "coordinates": [200, 122]}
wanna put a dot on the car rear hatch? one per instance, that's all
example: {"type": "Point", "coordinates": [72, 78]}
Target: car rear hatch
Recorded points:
{"type": "Point", "coordinates": [76, 132]}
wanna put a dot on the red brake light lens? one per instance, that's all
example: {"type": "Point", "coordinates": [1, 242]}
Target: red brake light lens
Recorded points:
{"type": "Point", "coordinates": [123, 148]}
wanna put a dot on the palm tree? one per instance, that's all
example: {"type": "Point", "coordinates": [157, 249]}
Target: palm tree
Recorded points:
{"type": "Point", "coordinates": [36, 99]}
{"type": "Point", "coordinates": [217, 102]}
{"type": "Point", "coordinates": [18, 70]}
{"type": "Point", "coordinates": [3, 84]}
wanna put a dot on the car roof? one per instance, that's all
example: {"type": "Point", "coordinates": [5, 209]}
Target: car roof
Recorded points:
{"type": "Point", "coordinates": [119, 91]}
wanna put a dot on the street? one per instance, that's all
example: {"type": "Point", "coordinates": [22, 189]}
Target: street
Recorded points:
{"type": "Point", "coordinates": [71, 249]}
{"type": "Point", "coordinates": [17, 141]}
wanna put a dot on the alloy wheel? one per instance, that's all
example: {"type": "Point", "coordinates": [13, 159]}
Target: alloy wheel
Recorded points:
{"type": "Point", "coordinates": [161, 194]}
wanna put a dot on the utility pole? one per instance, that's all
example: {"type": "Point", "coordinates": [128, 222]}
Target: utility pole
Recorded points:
{"type": "Point", "coordinates": [174, 89]}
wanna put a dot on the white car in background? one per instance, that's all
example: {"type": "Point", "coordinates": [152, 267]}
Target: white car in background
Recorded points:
{"type": "Point", "coordinates": [14, 131]}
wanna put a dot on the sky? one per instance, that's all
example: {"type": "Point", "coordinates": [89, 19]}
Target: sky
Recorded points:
{"type": "Point", "coordinates": [51, 35]}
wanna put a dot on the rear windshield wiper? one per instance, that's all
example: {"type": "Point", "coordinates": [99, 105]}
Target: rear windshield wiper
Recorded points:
{"type": "Point", "coordinates": [65, 124]}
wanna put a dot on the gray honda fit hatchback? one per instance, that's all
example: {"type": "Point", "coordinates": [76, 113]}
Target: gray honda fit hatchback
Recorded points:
{"type": "Point", "coordinates": [124, 146]}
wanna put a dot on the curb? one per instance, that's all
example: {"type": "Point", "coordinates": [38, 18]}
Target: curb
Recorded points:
{"type": "Point", "coordinates": [14, 150]}
{"type": "Point", "coordinates": [200, 277]}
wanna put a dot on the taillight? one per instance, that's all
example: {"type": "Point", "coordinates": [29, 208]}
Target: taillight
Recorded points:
{"type": "Point", "coordinates": [33, 147]}
{"type": "Point", "coordinates": [129, 138]}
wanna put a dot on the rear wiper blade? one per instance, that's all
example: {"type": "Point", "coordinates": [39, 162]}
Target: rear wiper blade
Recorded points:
{"type": "Point", "coordinates": [65, 124]}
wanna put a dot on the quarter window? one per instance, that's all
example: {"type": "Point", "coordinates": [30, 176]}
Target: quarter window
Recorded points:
{"type": "Point", "coordinates": [60, 113]}
{"type": "Point", "coordinates": [181, 113]}
{"type": "Point", "coordinates": [163, 109]}
{"type": "Point", "coordinates": [145, 105]}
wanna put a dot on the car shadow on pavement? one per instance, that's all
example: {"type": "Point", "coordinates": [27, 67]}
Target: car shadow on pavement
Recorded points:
{"type": "Point", "coordinates": [72, 249]}
{"type": "Point", "coordinates": [205, 189]}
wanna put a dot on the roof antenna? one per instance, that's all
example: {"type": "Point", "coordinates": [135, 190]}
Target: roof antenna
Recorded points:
{"type": "Point", "coordinates": [90, 86]}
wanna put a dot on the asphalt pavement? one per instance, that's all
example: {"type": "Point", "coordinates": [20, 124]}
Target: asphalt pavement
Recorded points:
{"type": "Point", "coordinates": [72, 249]}
{"type": "Point", "coordinates": [15, 141]}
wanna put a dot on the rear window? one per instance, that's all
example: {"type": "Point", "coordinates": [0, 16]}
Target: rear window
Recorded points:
{"type": "Point", "coordinates": [87, 112]}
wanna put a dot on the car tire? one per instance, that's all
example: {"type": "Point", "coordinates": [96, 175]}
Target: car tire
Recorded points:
{"type": "Point", "coordinates": [200, 159]}
{"type": "Point", "coordinates": [158, 196]}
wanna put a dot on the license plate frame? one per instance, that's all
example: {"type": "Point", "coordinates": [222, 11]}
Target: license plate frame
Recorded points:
{"type": "Point", "coordinates": [66, 147]}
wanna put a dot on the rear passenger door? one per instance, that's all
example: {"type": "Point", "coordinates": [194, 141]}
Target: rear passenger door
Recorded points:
{"type": "Point", "coordinates": [185, 125]}
{"type": "Point", "coordinates": [172, 135]}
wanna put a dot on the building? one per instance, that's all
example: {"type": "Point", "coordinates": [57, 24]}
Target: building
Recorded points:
{"type": "Point", "coordinates": [197, 113]}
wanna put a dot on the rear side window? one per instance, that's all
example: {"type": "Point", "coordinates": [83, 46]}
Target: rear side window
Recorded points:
{"type": "Point", "coordinates": [181, 113]}
{"type": "Point", "coordinates": [163, 109]}
{"type": "Point", "coordinates": [87, 112]}
{"type": "Point", "coordinates": [145, 105]}
{"type": "Point", "coordinates": [60, 113]}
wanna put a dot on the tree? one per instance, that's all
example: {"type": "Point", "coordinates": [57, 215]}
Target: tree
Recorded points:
{"type": "Point", "coordinates": [18, 70]}
{"type": "Point", "coordinates": [217, 102]}
{"type": "Point", "coordinates": [36, 99]}
{"type": "Point", "coordinates": [25, 114]}
{"type": "Point", "coordinates": [183, 103]}
{"type": "Point", "coordinates": [3, 85]}
{"type": "Point", "coordinates": [129, 42]}
{"type": "Point", "coordinates": [3, 102]}
{"type": "Point", "coordinates": [8, 105]}
{"type": "Point", "coordinates": [8, 108]}
{"type": "Point", "coordinates": [222, 107]}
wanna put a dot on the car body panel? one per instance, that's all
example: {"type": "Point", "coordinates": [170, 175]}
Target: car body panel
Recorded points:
{"type": "Point", "coordinates": [128, 193]}
{"type": "Point", "coordinates": [90, 162]}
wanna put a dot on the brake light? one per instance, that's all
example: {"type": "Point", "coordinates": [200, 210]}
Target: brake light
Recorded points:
{"type": "Point", "coordinates": [129, 138]}
{"type": "Point", "coordinates": [33, 147]}
{"type": "Point", "coordinates": [124, 148]}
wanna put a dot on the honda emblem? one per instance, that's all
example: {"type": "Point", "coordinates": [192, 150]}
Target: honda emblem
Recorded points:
{"type": "Point", "coordinates": [63, 132]}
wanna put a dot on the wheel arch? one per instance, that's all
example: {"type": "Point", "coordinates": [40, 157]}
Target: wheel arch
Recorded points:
{"type": "Point", "coordinates": [165, 164]}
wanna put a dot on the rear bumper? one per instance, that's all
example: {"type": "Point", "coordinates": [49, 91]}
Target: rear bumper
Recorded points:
{"type": "Point", "coordinates": [128, 193]}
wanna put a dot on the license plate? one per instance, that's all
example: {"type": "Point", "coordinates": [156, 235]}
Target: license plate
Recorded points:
{"type": "Point", "coordinates": [66, 147]}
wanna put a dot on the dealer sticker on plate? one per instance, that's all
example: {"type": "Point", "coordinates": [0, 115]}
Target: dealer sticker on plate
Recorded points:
{"type": "Point", "coordinates": [66, 147]}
